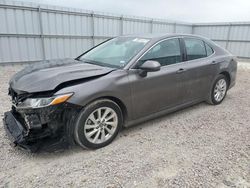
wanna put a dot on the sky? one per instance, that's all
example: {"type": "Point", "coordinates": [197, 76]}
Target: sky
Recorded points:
{"type": "Point", "coordinates": [192, 11]}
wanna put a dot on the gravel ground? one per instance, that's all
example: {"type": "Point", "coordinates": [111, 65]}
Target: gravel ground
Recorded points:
{"type": "Point", "coordinates": [201, 146]}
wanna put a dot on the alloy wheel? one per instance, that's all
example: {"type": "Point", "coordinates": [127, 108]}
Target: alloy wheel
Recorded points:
{"type": "Point", "coordinates": [101, 125]}
{"type": "Point", "coordinates": [220, 90]}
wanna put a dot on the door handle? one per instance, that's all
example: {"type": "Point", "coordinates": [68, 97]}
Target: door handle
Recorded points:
{"type": "Point", "coordinates": [181, 70]}
{"type": "Point", "coordinates": [213, 63]}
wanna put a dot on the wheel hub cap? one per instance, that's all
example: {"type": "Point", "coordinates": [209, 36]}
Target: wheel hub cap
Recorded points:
{"type": "Point", "coordinates": [220, 90]}
{"type": "Point", "coordinates": [101, 125]}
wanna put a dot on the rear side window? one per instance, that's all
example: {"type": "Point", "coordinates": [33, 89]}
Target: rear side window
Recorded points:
{"type": "Point", "coordinates": [209, 50]}
{"type": "Point", "coordinates": [195, 48]}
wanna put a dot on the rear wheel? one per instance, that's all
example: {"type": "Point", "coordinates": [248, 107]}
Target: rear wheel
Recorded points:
{"type": "Point", "coordinates": [98, 124]}
{"type": "Point", "coordinates": [219, 90]}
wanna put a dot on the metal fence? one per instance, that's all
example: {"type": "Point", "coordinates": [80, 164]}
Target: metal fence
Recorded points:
{"type": "Point", "coordinates": [235, 37]}
{"type": "Point", "coordinates": [32, 32]}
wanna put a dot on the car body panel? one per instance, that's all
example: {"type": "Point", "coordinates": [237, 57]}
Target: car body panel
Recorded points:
{"type": "Point", "coordinates": [156, 91]}
{"type": "Point", "coordinates": [114, 84]}
{"type": "Point", "coordinates": [47, 75]}
{"type": "Point", "coordinates": [196, 77]}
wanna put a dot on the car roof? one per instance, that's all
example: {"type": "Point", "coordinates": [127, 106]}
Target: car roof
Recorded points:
{"type": "Point", "coordinates": [157, 36]}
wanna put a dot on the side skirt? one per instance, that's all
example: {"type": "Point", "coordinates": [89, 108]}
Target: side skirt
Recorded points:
{"type": "Point", "coordinates": [161, 113]}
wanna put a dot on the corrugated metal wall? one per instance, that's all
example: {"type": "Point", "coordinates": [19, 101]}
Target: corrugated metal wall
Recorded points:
{"type": "Point", "coordinates": [235, 37]}
{"type": "Point", "coordinates": [32, 32]}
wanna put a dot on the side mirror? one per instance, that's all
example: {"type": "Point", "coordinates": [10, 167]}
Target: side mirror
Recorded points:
{"type": "Point", "coordinates": [149, 66]}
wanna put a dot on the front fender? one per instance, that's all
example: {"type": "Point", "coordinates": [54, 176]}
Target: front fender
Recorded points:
{"type": "Point", "coordinates": [115, 85]}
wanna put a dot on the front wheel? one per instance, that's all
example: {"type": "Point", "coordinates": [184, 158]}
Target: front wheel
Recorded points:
{"type": "Point", "coordinates": [219, 90]}
{"type": "Point", "coordinates": [98, 124]}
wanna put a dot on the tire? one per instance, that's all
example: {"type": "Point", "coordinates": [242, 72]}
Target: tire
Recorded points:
{"type": "Point", "coordinates": [102, 119]}
{"type": "Point", "coordinates": [213, 99]}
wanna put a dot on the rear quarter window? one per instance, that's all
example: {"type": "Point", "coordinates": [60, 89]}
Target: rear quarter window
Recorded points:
{"type": "Point", "coordinates": [209, 50]}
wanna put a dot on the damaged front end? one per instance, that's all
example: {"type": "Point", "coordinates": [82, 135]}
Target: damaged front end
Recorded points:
{"type": "Point", "coordinates": [36, 123]}
{"type": "Point", "coordinates": [38, 114]}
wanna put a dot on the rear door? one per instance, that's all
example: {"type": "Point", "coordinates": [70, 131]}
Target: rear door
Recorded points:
{"type": "Point", "coordinates": [199, 69]}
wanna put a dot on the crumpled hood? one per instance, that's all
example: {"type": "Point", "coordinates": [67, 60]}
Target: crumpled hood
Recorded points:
{"type": "Point", "coordinates": [47, 75]}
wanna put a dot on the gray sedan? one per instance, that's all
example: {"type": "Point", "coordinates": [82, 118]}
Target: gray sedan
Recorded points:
{"type": "Point", "coordinates": [121, 82]}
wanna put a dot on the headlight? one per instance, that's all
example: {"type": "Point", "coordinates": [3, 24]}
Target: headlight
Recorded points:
{"type": "Point", "coordinates": [43, 102]}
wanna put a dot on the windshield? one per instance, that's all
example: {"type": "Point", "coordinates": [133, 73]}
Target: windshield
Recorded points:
{"type": "Point", "coordinates": [116, 52]}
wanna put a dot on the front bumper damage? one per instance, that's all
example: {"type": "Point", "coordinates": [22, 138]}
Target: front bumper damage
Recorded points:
{"type": "Point", "coordinates": [14, 129]}
{"type": "Point", "coordinates": [42, 128]}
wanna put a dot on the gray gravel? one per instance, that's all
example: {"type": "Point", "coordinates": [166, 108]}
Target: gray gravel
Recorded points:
{"type": "Point", "coordinates": [201, 146]}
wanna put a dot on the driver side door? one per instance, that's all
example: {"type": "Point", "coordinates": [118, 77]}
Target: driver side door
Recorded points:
{"type": "Point", "coordinates": [161, 89]}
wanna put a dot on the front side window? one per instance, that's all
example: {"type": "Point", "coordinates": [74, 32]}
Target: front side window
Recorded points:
{"type": "Point", "coordinates": [195, 48]}
{"type": "Point", "coordinates": [166, 53]}
{"type": "Point", "coordinates": [116, 52]}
